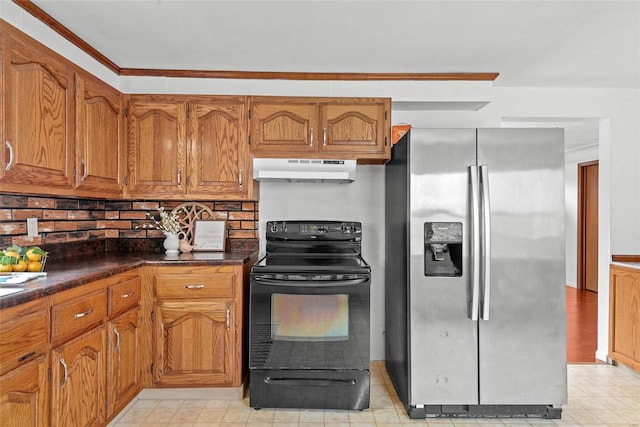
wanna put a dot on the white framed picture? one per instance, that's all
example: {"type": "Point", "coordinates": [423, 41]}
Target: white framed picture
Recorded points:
{"type": "Point", "coordinates": [209, 235]}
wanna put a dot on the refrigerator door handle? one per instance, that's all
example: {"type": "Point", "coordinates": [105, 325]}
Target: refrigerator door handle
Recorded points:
{"type": "Point", "coordinates": [475, 242]}
{"type": "Point", "coordinates": [486, 241]}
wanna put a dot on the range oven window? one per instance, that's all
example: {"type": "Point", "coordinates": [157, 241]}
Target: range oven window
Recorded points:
{"type": "Point", "coordinates": [299, 317]}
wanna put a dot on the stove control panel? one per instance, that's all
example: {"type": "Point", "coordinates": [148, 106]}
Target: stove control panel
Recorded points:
{"type": "Point", "coordinates": [313, 230]}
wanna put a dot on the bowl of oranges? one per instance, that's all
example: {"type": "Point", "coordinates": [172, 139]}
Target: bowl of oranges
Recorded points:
{"type": "Point", "coordinates": [17, 259]}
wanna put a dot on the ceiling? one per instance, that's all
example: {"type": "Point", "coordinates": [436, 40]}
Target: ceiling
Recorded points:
{"type": "Point", "coordinates": [559, 43]}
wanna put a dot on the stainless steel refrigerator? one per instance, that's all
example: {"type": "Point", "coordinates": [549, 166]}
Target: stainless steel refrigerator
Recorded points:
{"type": "Point", "coordinates": [475, 272]}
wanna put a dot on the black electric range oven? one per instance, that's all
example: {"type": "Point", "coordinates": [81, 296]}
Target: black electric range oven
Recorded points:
{"type": "Point", "coordinates": [309, 318]}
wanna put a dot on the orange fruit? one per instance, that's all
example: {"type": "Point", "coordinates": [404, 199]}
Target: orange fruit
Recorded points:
{"type": "Point", "coordinates": [13, 254]}
{"type": "Point", "coordinates": [6, 268]}
{"type": "Point", "coordinates": [33, 256]}
{"type": "Point", "coordinates": [35, 266]}
{"type": "Point", "coordinates": [20, 266]}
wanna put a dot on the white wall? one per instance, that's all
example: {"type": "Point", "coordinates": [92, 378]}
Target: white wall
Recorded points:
{"type": "Point", "coordinates": [619, 154]}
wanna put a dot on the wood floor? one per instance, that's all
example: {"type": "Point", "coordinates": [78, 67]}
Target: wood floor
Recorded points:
{"type": "Point", "coordinates": [582, 325]}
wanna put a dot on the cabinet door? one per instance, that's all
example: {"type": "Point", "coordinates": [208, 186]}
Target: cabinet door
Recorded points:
{"type": "Point", "coordinates": [37, 118]}
{"type": "Point", "coordinates": [23, 395]}
{"type": "Point", "coordinates": [98, 136]}
{"type": "Point", "coordinates": [195, 343]}
{"type": "Point", "coordinates": [78, 381]}
{"type": "Point", "coordinates": [123, 360]}
{"type": "Point", "coordinates": [358, 129]}
{"type": "Point", "coordinates": [218, 157]}
{"type": "Point", "coordinates": [156, 146]}
{"type": "Point", "coordinates": [284, 128]}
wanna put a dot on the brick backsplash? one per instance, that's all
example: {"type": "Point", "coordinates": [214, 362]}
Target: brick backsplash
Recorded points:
{"type": "Point", "coordinates": [65, 220]}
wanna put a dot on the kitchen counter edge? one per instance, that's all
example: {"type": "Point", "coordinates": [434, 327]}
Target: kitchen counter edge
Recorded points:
{"type": "Point", "coordinates": [634, 265]}
{"type": "Point", "coordinates": [68, 275]}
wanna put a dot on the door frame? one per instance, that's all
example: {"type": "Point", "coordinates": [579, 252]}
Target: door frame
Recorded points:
{"type": "Point", "coordinates": [582, 250]}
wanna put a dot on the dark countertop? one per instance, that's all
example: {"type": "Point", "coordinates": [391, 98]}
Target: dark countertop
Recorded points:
{"type": "Point", "coordinates": [63, 275]}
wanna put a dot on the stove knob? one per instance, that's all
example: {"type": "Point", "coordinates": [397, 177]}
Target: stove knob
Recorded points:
{"type": "Point", "coordinates": [274, 228]}
{"type": "Point", "coordinates": [346, 229]}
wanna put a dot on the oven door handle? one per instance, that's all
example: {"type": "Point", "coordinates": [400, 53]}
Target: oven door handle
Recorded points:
{"type": "Point", "coordinates": [310, 283]}
{"type": "Point", "coordinates": [309, 381]}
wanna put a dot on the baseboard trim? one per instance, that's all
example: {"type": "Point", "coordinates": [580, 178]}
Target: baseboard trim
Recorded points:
{"type": "Point", "coordinates": [602, 356]}
{"type": "Point", "coordinates": [201, 393]}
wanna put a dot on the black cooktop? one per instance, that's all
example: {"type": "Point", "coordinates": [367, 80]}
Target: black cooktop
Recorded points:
{"type": "Point", "coordinates": [313, 247]}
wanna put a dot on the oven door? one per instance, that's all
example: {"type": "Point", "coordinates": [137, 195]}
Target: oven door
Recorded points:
{"type": "Point", "coordinates": [309, 322]}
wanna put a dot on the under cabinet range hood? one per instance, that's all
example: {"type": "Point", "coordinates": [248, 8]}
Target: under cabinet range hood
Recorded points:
{"type": "Point", "coordinates": [300, 170]}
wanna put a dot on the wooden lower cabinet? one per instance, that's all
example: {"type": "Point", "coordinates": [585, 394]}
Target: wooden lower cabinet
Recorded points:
{"type": "Point", "coordinates": [194, 343]}
{"type": "Point", "coordinates": [624, 315]}
{"type": "Point", "coordinates": [24, 386]}
{"type": "Point", "coordinates": [123, 361]}
{"type": "Point", "coordinates": [78, 381]}
{"type": "Point", "coordinates": [24, 400]}
{"type": "Point", "coordinates": [198, 320]}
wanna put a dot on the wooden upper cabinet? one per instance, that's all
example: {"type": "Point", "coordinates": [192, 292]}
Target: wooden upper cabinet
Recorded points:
{"type": "Point", "coordinates": [345, 128]}
{"type": "Point", "coordinates": [218, 154]}
{"type": "Point", "coordinates": [283, 127]}
{"type": "Point", "coordinates": [360, 126]}
{"type": "Point", "coordinates": [98, 133]}
{"type": "Point", "coordinates": [156, 141]}
{"type": "Point", "coordinates": [193, 146]}
{"type": "Point", "coordinates": [37, 116]}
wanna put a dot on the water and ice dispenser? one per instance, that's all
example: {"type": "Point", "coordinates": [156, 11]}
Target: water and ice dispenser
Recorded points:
{"type": "Point", "coordinates": [443, 249]}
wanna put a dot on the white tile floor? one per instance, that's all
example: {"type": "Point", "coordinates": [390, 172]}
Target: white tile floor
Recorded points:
{"type": "Point", "coordinates": [599, 395]}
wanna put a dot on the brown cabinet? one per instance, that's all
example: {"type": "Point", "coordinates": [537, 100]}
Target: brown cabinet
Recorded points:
{"type": "Point", "coordinates": [37, 117]}
{"type": "Point", "coordinates": [78, 364]}
{"type": "Point", "coordinates": [24, 385]}
{"type": "Point", "coordinates": [192, 147]}
{"type": "Point", "coordinates": [198, 326]}
{"type": "Point", "coordinates": [124, 340]}
{"type": "Point", "coordinates": [123, 360]}
{"type": "Point", "coordinates": [624, 315]}
{"type": "Point", "coordinates": [98, 134]}
{"type": "Point", "coordinates": [345, 128]}
{"type": "Point", "coordinates": [78, 380]}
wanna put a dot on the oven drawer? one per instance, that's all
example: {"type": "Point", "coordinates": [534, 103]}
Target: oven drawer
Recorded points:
{"type": "Point", "coordinates": [170, 286]}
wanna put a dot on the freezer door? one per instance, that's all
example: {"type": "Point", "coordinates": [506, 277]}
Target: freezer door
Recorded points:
{"type": "Point", "coordinates": [443, 338]}
{"type": "Point", "coordinates": [522, 345]}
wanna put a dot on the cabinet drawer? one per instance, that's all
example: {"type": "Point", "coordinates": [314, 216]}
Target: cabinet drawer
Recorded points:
{"type": "Point", "coordinates": [70, 318]}
{"type": "Point", "coordinates": [195, 285]}
{"type": "Point", "coordinates": [123, 296]}
{"type": "Point", "coordinates": [23, 338]}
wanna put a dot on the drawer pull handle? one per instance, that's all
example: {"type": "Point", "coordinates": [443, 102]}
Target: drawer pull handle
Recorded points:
{"type": "Point", "coordinates": [84, 313]}
{"type": "Point", "coordinates": [27, 356]}
{"type": "Point", "coordinates": [66, 372]}
{"type": "Point", "coordinates": [228, 319]}
{"type": "Point", "coordinates": [128, 294]}
{"type": "Point", "coordinates": [199, 286]}
{"type": "Point", "coordinates": [117, 347]}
